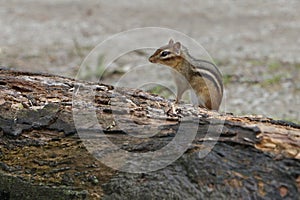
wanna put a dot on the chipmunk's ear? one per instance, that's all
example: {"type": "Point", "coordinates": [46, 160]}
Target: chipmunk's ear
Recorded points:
{"type": "Point", "coordinates": [177, 47]}
{"type": "Point", "coordinates": [171, 42]}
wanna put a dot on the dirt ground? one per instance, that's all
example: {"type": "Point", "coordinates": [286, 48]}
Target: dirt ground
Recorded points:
{"type": "Point", "coordinates": [254, 43]}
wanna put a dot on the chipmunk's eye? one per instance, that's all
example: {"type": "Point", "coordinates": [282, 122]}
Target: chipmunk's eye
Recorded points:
{"type": "Point", "coordinates": [164, 53]}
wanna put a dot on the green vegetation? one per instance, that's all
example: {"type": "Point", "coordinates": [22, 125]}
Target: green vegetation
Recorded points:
{"type": "Point", "coordinates": [289, 119]}
{"type": "Point", "coordinates": [227, 78]}
{"type": "Point", "coordinates": [92, 72]}
{"type": "Point", "coordinates": [160, 90]}
{"type": "Point", "coordinates": [273, 66]}
{"type": "Point", "coordinates": [257, 62]}
{"type": "Point", "coordinates": [272, 81]}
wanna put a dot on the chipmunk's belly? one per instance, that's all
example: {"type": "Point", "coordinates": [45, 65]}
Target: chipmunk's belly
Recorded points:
{"type": "Point", "coordinates": [181, 82]}
{"type": "Point", "coordinates": [207, 92]}
{"type": "Point", "coordinates": [204, 93]}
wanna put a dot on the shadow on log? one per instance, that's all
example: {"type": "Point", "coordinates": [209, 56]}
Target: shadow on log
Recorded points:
{"type": "Point", "coordinates": [43, 156]}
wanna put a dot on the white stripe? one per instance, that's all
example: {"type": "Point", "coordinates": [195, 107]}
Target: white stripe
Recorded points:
{"type": "Point", "coordinates": [208, 73]}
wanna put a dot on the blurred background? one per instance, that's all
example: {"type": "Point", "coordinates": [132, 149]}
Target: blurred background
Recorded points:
{"type": "Point", "coordinates": [255, 44]}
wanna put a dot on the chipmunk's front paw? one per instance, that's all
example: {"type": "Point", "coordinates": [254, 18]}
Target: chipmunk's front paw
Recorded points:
{"type": "Point", "coordinates": [172, 111]}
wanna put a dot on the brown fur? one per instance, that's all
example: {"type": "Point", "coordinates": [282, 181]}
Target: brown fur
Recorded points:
{"type": "Point", "coordinates": [208, 93]}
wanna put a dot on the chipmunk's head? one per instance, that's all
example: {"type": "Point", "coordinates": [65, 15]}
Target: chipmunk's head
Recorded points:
{"type": "Point", "coordinates": [169, 54]}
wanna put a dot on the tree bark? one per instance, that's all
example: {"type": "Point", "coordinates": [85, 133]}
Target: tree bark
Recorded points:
{"type": "Point", "coordinates": [51, 149]}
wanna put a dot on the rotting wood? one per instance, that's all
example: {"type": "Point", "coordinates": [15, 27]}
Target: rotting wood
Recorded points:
{"type": "Point", "coordinates": [254, 156]}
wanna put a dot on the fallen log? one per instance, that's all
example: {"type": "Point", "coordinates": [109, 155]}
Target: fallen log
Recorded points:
{"type": "Point", "coordinates": [139, 147]}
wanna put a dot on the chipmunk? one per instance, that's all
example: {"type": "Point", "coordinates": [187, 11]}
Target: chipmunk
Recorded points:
{"type": "Point", "coordinates": [203, 76]}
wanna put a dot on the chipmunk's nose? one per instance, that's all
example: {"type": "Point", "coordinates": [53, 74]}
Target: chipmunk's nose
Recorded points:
{"type": "Point", "coordinates": [151, 59]}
